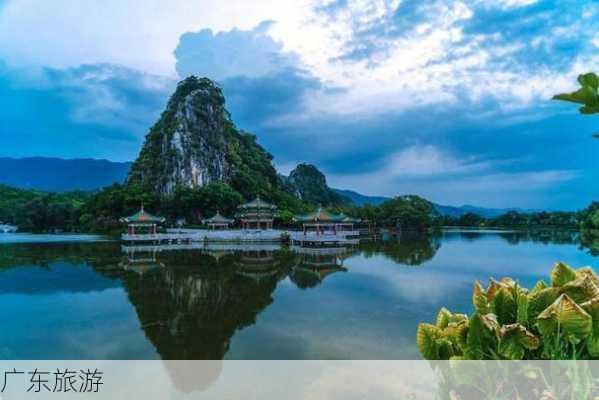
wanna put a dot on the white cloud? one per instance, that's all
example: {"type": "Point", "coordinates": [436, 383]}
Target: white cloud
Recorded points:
{"type": "Point", "coordinates": [141, 35]}
{"type": "Point", "coordinates": [442, 177]}
{"type": "Point", "coordinates": [514, 3]}
{"type": "Point", "coordinates": [429, 160]}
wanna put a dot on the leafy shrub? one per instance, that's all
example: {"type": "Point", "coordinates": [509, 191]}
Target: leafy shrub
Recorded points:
{"type": "Point", "coordinates": [557, 322]}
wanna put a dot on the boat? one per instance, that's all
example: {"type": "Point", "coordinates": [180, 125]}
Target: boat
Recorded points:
{"type": "Point", "coordinates": [6, 228]}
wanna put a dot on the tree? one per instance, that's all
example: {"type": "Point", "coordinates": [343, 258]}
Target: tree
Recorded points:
{"type": "Point", "coordinates": [409, 212]}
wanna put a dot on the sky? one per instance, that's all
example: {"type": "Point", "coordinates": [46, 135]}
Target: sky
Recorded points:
{"type": "Point", "coordinates": [450, 100]}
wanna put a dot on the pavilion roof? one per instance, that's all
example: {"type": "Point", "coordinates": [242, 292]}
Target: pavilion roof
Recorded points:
{"type": "Point", "coordinates": [258, 203]}
{"type": "Point", "coordinates": [143, 217]}
{"type": "Point", "coordinates": [321, 215]}
{"type": "Point", "coordinates": [218, 219]}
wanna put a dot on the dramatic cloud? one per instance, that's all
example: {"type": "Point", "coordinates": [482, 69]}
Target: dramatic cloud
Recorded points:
{"type": "Point", "coordinates": [93, 110]}
{"type": "Point", "coordinates": [263, 84]}
{"type": "Point", "coordinates": [449, 99]}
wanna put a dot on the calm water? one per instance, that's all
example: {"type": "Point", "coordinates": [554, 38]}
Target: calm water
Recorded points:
{"type": "Point", "coordinates": [67, 297]}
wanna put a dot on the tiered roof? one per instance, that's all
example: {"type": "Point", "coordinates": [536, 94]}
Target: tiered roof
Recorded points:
{"type": "Point", "coordinates": [257, 208]}
{"type": "Point", "coordinates": [322, 215]}
{"type": "Point", "coordinates": [258, 203]}
{"type": "Point", "coordinates": [143, 217]}
{"type": "Point", "coordinates": [217, 220]}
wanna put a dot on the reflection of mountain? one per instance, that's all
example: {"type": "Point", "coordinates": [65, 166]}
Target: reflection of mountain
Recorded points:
{"type": "Point", "coordinates": [545, 236]}
{"type": "Point", "coordinates": [408, 250]}
{"type": "Point", "coordinates": [590, 240]}
{"type": "Point", "coordinates": [192, 307]}
{"type": "Point", "coordinates": [59, 267]}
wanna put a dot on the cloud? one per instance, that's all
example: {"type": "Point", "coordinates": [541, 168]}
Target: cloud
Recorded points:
{"type": "Point", "coordinates": [263, 84]}
{"type": "Point", "coordinates": [235, 53]}
{"type": "Point", "coordinates": [386, 96]}
{"type": "Point", "coordinates": [516, 51]}
{"type": "Point", "coordinates": [68, 34]}
{"type": "Point", "coordinates": [429, 160]}
{"type": "Point", "coordinates": [91, 111]}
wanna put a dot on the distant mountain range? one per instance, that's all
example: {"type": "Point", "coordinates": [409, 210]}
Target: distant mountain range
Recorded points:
{"type": "Point", "coordinates": [61, 175]}
{"type": "Point", "coordinates": [451, 211]}
{"type": "Point", "coordinates": [360, 199]}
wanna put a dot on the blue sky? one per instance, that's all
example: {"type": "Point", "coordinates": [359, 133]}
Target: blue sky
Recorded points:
{"type": "Point", "coordinates": [446, 99]}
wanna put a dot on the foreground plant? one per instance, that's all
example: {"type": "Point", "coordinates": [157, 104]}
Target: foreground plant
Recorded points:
{"type": "Point", "coordinates": [510, 322]}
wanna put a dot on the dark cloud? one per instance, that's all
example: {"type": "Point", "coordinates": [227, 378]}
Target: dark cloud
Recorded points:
{"type": "Point", "coordinates": [257, 102]}
{"type": "Point", "coordinates": [90, 111]}
{"type": "Point", "coordinates": [263, 85]}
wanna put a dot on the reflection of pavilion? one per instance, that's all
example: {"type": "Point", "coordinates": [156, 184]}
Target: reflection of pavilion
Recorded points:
{"type": "Point", "coordinates": [315, 264]}
{"type": "Point", "coordinates": [140, 259]}
{"type": "Point", "coordinates": [257, 264]}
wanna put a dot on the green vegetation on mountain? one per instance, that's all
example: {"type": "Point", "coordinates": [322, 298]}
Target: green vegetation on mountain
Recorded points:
{"type": "Point", "coordinates": [307, 183]}
{"type": "Point", "coordinates": [406, 212]}
{"type": "Point", "coordinates": [37, 211]}
{"type": "Point", "coordinates": [520, 220]}
{"type": "Point", "coordinates": [195, 143]}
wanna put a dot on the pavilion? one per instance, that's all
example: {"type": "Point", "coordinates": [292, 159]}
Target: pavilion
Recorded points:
{"type": "Point", "coordinates": [257, 214]}
{"type": "Point", "coordinates": [147, 222]}
{"type": "Point", "coordinates": [218, 222]}
{"type": "Point", "coordinates": [322, 221]}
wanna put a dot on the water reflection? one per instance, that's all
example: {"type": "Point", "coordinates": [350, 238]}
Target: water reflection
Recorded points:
{"type": "Point", "coordinates": [407, 249]}
{"type": "Point", "coordinates": [193, 301]}
{"type": "Point", "coordinates": [544, 236]}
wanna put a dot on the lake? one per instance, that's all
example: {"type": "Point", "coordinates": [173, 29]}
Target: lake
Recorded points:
{"type": "Point", "coordinates": [82, 297]}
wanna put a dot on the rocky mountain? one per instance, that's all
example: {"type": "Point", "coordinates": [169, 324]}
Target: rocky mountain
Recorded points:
{"type": "Point", "coordinates": [195, 143]}
{"type": "Point", "coordinates": [61, 175]}
{"type": "Point", "coordinates": [306, 182]}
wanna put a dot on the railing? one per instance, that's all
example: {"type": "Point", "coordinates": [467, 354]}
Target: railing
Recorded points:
{"type": "Point", "coordinates": [156, 236]}
{"type": "Point", "coordinates": [239, 235]}
{"type": "Point", "coordinates": [324, 235]}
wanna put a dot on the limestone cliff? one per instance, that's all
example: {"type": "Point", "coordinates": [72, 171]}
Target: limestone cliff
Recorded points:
{"type": "Point", "coordinates": [195, 143]}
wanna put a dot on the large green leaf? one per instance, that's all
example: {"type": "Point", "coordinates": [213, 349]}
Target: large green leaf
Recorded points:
{"type": "Point", "coordinates": [481, 342]}
{"type": "Point", "coordinates": [504, 306]}
{"type": "Point", "coordinates": [539, 301]}
{"type": "Point", "coordinates": [592, 308]}
{"type": "Point", "coordinates": [581, 289]}
{"type": "Point", "coordinates": [443, 318]}
{"type": "Point", "coordinates": [562, 274]}
{"type": "Point", "coordinates": [565, 317]}
{"type": "Point", "coordinates": [514, 340]}
{"type": "Point", "coordinates": [479, 299]}
{"type": "Point", "coordinates": [426, 339]}
{"type": "Point", "coordinates": [522, 307]}
{"type": "Point", "coordinates": [540, 285]}
{"type": "Point", "coordinates": [588, 271]}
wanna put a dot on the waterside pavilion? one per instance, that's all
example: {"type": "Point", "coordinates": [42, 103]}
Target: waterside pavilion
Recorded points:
{"type": "Point", "coordinates": [218, 222]}
{"type": "Point", "coordinates": [322, 221]}
{"type": "Point", "coordinates": [257, 214]}
{"type": "Point", "coordinates": [143, 221]}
